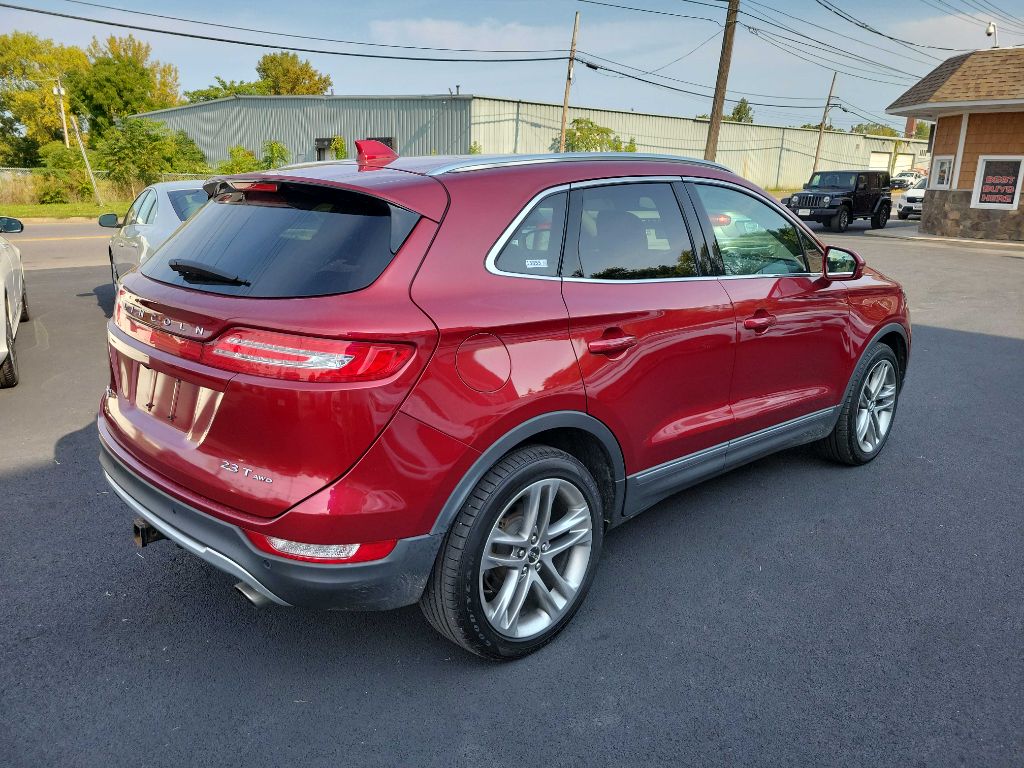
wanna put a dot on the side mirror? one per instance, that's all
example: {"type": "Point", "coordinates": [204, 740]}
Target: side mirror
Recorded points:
{"type": "Point", "coordinates": [785, 201]}
{"type": "Point", "coordinates": [109, 220]}
{"type": "Point", "coordinates": [842, 264]}
{"type": "Point", "coordinates": [10, 226]}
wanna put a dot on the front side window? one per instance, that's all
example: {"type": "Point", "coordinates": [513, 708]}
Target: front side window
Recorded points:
{"type": "Point", "coordinates": [750, 237]}
{"type": "Point", "coordinates": [633, 232]}
{"type": "Point", "coordinates": [535, 247]}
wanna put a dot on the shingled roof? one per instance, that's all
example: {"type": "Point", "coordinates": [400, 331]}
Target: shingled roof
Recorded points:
{"type": "Point", "coordinates": [995, 74]}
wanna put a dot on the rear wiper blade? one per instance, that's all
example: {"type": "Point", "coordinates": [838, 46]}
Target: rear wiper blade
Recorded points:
{"type": "Point", "coordinates": [194, 272]}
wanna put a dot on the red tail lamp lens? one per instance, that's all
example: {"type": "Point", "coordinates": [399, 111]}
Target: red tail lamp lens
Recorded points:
{"type": "Point", "coordinates": [323, 553]}
{"type": "Point", "coordinates": [303, 358]}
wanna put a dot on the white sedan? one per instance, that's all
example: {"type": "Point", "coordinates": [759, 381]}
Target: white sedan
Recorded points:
{"type": "Point", "coordinates": [15, 301]}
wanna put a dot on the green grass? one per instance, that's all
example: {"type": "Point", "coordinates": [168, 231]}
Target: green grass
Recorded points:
{"type": "Point", "coordinates": [62, 210]}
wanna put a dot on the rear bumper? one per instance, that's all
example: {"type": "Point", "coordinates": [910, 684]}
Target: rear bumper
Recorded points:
{"type": "Point", "coordinates": [392, 582]}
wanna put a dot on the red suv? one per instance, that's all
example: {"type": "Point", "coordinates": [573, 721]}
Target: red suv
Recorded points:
{"type": "Point", "coordinates": [366, 384]}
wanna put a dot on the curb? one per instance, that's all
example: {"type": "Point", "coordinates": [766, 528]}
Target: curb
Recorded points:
{"type": "Point", "coordinates": [1015, 250]}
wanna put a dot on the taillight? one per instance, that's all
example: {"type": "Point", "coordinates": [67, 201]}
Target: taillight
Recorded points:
{"type": "Point", "coordinates": [276, 355]}
{"type": "Point", "coordinates": [303, 358]}
{"type": "Point", "coordinates": [323, 553]}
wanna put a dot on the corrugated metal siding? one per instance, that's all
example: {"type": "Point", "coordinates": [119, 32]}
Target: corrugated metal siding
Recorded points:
{"type": "Point", "coordinates": [420, 125]}
{"type": "Point", "coordinates": [767, 155]}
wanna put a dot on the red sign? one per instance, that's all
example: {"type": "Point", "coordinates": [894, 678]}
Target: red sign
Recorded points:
{"type": "Point", "coordinates": [999, 181]}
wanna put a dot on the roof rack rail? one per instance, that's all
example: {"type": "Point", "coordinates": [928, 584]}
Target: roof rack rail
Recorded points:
{"type": "Point", "coordinates": [477, 163]}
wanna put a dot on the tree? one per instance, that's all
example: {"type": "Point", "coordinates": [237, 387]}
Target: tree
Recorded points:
{"type": "Point", "coordinates": [814, 126]}
{"type": "Point", "coordinates": [111, 90]}
{"type": "Point", "coordinates": [135, 152]}
{"type": "Point", "coordinates": [475, 148]}
{"type": "Point", "coordinates": [275, 154]}
{"type": "Point", "coordinates": [29, 111]}
{"type": "Point", "coordinates": [339, 148]}
{"type": "Point", "coordinates": [741, 113]}
{"type": "Point", "coordinates": [240, 160]}
{"type": "Point", "coordinates": [922, 130]}
{"type": "Point", "coordinates": [874, 129]}
{"type": "Point", "coordinates": [224, 88]}
{"type": "Point", "coordinates": [584, 135]}
{"type": "Point", "coordinates": [164, 86]}
{"type": "Point", "coordinates": [285, 73]}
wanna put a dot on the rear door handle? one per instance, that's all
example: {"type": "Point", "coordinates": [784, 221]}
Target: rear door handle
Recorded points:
{"type": "Point", "coordinates": [759, 323]}
{"type": "Point", "coordinates": [611, 346]}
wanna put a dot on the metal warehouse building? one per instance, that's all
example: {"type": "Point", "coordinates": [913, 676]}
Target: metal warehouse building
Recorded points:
{"type": "Point", "coordinates": [449, 124]}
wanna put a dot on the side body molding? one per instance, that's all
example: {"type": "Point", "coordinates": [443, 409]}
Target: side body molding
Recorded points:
{"type": "Point", "coordinates": [522, 432]}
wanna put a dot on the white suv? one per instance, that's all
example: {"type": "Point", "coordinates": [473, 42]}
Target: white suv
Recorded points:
{"type": "Point", "coordinates": [913, 200]}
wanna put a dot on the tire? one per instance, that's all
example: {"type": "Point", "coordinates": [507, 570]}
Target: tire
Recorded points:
{"type": "Point", "coordinates": [463, 600]}
{"type": "Point", "coordinates": [841, 220]}
{"type": "Point", "coordinates": [24, 303]}
{"type": "Point", "coordinates": [881, 218]}
{"type": "Point", "coordinates": [904, 214]}
{"type": "Point", "coordinates": [9, 367]}
{"type": "Point", "coordinates": [876, 381]}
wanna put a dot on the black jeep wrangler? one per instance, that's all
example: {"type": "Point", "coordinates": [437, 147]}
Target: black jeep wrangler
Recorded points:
{"type": "Point", "coordinates": [838, 197]}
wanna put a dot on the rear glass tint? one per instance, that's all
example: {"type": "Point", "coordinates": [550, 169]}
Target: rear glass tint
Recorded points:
{"type": "Point", "coordinates": [298, 241]}
{"type": "Point", "coordinates": [186, 202]}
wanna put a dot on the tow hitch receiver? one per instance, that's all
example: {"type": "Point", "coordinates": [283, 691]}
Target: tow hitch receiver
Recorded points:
{"type": "Point", "coordinates": [144, 533]}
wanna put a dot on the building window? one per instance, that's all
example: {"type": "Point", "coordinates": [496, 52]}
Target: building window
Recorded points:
{"type": "Point", "coordinates": [942, 171]}
{"type": "Point", "coordinates": [998, 182]}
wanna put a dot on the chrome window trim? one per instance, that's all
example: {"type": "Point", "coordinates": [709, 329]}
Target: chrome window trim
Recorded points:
{"type": "Point", "coordinates": [771, 202]}
{"type": "Point", "coordinates": [499, 245]}
{"type": "Point", "coordinates": [495, 249]}
{"type": "Point", "coordinates": [467, 164]}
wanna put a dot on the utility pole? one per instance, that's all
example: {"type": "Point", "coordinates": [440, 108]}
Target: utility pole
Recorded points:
{"type": "Point", "coordinates": [58, 91]}
{"type": "Point", "coordinates": [824, 119]}
{"type": "Point", "coordinates": [568, 82]}
{"type": "Point", "coordinates": [711, 148]}
{"type": "Point", "coordinates": [85, 157]}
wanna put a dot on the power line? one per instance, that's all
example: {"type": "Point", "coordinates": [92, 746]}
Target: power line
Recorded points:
{"type": "Point", "coordinates": [688, 53]}
{"type": "Point", "coordinates": [755, 30]}
{"type": "Point", "coordinates": [823, 66]}
{"type": "Point", "coordinates": [863, 25]}
{"type": "Point", "coordinates": [253, 44]}
{"type": "Point", "coordinates": [309, 37]}
{"type": "Point", "coordinates": [832, 31]}
{"type": "Point", "coordinates": [659, 13]}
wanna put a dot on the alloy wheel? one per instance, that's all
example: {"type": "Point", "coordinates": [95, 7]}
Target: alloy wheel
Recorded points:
{"type": "Point", "coordinates": [535, 558]}
{"type": "Point", "coordinates": [876, 406]}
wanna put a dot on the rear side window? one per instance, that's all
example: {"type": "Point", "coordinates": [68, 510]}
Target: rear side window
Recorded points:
{"type": "Point", "coordinates": [633, 232]}
{"type": "Point", "coordinates": [186, 202]}
{"type": "Point", "coordinates": [147, 211]}
{"type": "Point", "coordinates": [536, 245]}
{"type": "Point", "coordinates": [297, 241]}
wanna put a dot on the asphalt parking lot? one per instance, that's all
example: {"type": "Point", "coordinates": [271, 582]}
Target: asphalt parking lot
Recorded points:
{"type": "Point", "coordinates": [790, 613]}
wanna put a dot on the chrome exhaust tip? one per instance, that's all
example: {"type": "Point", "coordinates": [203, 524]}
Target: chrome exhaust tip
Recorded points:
{"type": "Point", "coordinates": [255, 597]}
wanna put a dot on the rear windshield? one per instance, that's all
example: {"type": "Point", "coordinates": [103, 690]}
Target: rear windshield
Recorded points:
{"type": "Point", "coordinates": [298, 240]}
{"type": "Point", "coordinates": [186, 202]}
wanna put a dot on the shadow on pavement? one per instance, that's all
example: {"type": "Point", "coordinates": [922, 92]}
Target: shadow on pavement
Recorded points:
{"type": "Point", "coordinates": [793, 610]}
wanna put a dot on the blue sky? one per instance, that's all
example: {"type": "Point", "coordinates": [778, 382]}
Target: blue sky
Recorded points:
{"type": "Point", "coordinates": [641, 40]}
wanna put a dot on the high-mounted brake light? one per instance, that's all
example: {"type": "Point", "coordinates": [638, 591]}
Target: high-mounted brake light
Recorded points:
{"type": "Point", "coordinates": [375, 153]}
{"type": "Point", "coordinates": [323, 553]}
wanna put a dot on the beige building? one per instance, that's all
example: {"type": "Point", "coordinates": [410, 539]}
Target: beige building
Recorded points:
{"type": "Point", "coordinates": [977, 165]}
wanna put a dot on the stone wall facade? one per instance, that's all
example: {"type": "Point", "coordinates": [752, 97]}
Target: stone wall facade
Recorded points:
{"type": "Point", "coordinates": [949, 213]}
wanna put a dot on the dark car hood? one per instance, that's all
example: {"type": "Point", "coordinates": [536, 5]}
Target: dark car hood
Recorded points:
{"type": "Point", "coordinates": [826, 191]}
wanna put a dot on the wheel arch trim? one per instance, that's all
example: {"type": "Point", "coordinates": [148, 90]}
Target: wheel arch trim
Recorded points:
{"type": "Point", "coordinates": [522, 432]}
{"type": "Point", "coordinates": [884, 330]}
